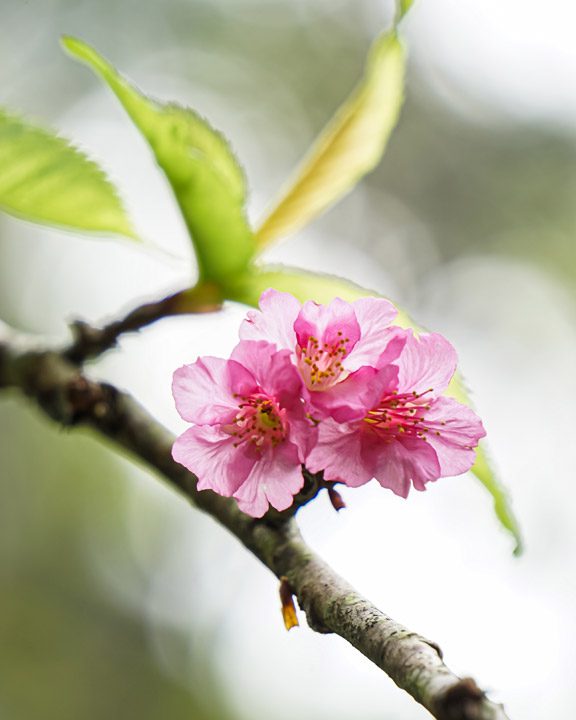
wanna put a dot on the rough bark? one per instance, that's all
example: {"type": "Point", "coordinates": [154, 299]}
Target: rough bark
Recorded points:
{"type": "Point", "coordinates": [54, 381]}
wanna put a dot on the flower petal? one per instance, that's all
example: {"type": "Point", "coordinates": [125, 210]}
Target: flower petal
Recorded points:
{"type": "Point", "coordinates": [393, 341]}
{"type": "Point", "coordinates": [200, 390]}
{"type": "Point", "coordinates": [211, 455]}
{"type": "Point", "coordinates": [274, 322]}
{"type": "Point", "coordinates": [455, 430]}
{"type": "Point", "coordinates": [329, 324]}
{"type": "Point", "coordinates": [272, 369]}
{"type": "Point", "coordinates": [341, 453]}
{"type": "Point", "coordinates": [351, 398]}
{"type": "Point", "coordinates": [302, 432]}
{"type": "Point", "coordinates": [274, 480]}
{"type": "Point", "coordinates": [426, 362]}
{"type": "Point", "coordinates": [405, 461]}
{"type": "Point", "coordinates": [374, 315]}
{"type": "Point", "coordinates": [204, 391]}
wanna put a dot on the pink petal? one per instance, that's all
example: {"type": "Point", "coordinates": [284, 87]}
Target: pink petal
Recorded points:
{"type": "Point", "coordinates": [303, 433]}
{"type": "Point", "coordinates": [204, 391]}
{"type": "Point", "coordinates": [210, 454]}
{"type": "Point", "coordinates": [426, 362]}
{"type": "Point", "coordinates": [455, 430]}
{"type": "Point", "coordinates": [341, 453]}
{"type": "Point", "coordinates": [274, 480]}
{"type": "Point", "coordinates": [374, 315]}
{"type": "Point", "coordinates": [272, 369]}
{"type": "Point", "coordinates": [394, 340]}
{"type": "Point", "coordinates": [274, 322]}
{"type": "Point", "coordinates": [329, 324]}
{"type": "Point", "coordinates": [404, 461]}
{"type": "Point", "coordinates": [351, 398]}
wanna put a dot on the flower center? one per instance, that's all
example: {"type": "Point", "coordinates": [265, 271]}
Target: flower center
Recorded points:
{"type": "Point", "coordinates": [259, 421]}
{"type": "Point", "coordinates": [399, 413]}
{"type": "Point", "coordinates": [321, 364]}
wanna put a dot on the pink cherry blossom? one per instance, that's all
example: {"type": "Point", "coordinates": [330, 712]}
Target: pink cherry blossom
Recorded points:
{"type": "Point", "coordinates": [335, 387]}
{"type": "Point", "coordinates": [329, 342]}
{"type": "Point", "coordinates": [250, 433]}
{"type": "Point", "coordinates": [408, 433]}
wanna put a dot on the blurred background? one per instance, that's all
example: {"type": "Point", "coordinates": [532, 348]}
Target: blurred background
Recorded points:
{"type": "Point", "coordinates": [116, 598]}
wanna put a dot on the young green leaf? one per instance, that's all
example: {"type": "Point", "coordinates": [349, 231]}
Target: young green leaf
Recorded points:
{"type": "Point", "coordinates": [402, 7]}
{"type": "Point", "coordinates": [204, 174]}
{"type": "Point", "coordinates": [45, 180]}
{"type": "Point", "coordinates": [323, 288]}
{"type": "Point", "coordinates": [349, 147]}
{"type": "Point", "coordinates": [483, 471]}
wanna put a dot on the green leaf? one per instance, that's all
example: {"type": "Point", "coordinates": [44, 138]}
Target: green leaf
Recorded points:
{"type": "Point", "coordinates": [402, 7]}
{"type": "Point", "coordinates": [45, 180]}
{"type": "Point", "coordinates": [323, 288]}
{"type": "Point", "coordinates": [484, 472]}
{"type": "Point", "coordinates": [349, 147]}
{"type": "Point", "coordinates": [198, 162]}
{"type": "Point", "coordinates": [304, 285]}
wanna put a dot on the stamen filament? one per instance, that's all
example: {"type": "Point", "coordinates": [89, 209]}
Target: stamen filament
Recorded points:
{"type": "Point", "coordinates": [399, 413]}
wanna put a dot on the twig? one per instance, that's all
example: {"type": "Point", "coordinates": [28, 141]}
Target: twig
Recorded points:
{"type": "Point", "coordinates": [331, 605]}
{"type": "Point", "coordinates": [90, 342]}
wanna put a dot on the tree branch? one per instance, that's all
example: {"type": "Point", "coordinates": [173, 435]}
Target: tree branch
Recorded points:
{"type": "Point", "coordinates": [331, 605]}
{"type": "Point", "coordinates": [90, 342]}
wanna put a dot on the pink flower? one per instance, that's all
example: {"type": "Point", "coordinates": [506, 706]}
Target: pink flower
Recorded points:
{"type": "Point", "coordinates": [328, 342]}
{"type": "Point", "coordinates": [250, 433]}
{"type": "Point", "coordinates": [408, 434]}
{"type": "Point", "coordinates": [374, 391]}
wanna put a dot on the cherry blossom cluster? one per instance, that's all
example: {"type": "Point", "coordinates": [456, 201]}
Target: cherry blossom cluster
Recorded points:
{"type": "Point", "coordinates": [335, 388]}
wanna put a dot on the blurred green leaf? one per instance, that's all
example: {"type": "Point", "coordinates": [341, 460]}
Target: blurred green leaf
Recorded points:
{"type": "Point", "coordinates": [206, 179]}
{"type": "Point", "coordinates": [484, 472]}
{"type": "Point", "coordinates": [45, 180]}
{"type": "Point", "coordinates": [402, 7]}
{"type": "Point", "coordinates": [322, 289]}
{"type": "Point", "coordinates": [349, 147]}
{"type": "Point", "coordinates": [304, 285]}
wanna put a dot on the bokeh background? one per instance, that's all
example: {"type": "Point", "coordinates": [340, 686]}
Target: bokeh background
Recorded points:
{"type": "Point", "coordinates": [116, 598]}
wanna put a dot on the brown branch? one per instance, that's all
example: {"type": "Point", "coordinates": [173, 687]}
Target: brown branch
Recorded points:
{"type": "Point", "coordinates": [331, 605]}
{"type": "Point", "coordinates": [90, 342]}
